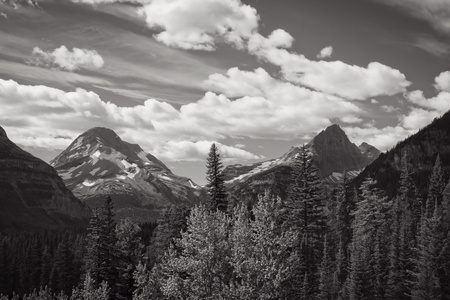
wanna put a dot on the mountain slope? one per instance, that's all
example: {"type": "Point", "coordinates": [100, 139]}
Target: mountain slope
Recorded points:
{"type": "Point", "coordinates": [421, 148]}
{"type": "Point", "coordinates": [333, 155]}
{"type": "Point", "coordinates": [32, 193]}
{"type": "Point", "coordinates": [99, 163]}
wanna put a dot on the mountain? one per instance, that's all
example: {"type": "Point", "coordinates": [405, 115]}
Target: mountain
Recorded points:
{"type": "Point", "coordinates": [32, 194]}
{"type": "Point", "coordinates": [369, 151]}
{"type": "Point", "coordinates": [421, 149]}
{"type": "Point", "coordinates": [99, 163]}
{"type": "Point", "coordinates": [333, 154]}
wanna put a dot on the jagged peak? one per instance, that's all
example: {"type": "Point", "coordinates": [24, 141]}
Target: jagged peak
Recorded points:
{"type": "Point", "coordinates": [106, 135]}
{"type": "Point", "coordinates": [3, 133]}
{"type": "Point", "coordinates": [333, 129]}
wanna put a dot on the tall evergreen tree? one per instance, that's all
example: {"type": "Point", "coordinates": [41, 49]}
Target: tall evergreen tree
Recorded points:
{"type": "Point", "coordinates": [306, 216]}
{"type": "Point", "coordinates": [129, 249]}
{"type": "Point", "coordinates": [107, 248]}
{"type": "Point", "coordinates": [215, 181]}
{"type": "Point", "coordinates": [368, 272]}
{"type": "Point", "coordinates": [426, 284]}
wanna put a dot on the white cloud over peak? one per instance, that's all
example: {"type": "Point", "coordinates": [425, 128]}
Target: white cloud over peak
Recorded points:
{"type": "Point", "coordinates": [70, 60]}
{"type": "Point", "coordinates": [443, 81]}
{"type": "Point", "coordinates": [325, 52]}
{"type": "Point", "coordinates": [199, 24]}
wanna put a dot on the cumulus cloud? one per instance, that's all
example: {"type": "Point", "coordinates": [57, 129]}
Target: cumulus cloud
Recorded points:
{"type": "Point", "coordinates": [277, 107]}
{"type": "Point", "coordinates": [111, 1]}
{"type": "Point", "coordinates": [325, 52]}
{"type": "Point", "coordinates": [198, 151]}
{"type": "Point", "coordinates": [439, 103]}
{"type": "Point", "coordinates": [40, 116]}
{"type": "Point", "coordinates": [333, 77]}
{"type": "Point", "coordinates": [70, 60]}
{"type": "Point", "coordinates": [382, 138]}
{"type": "Point", "coordinates": [443, 81]}
{"type": "Point", "coordinates": [199, 24]}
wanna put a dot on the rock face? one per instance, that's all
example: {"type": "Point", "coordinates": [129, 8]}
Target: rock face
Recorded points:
{"type": "Point", "coordinates": [32, 193]}
{"type": "Point", "coordinates": [333, 155]}
{"type": "Point", "coordinates": [369, 151]}
{"type": "Point", "coordinates": [99, 164]}
{"type": "Point", "coordinates": [421, 149]}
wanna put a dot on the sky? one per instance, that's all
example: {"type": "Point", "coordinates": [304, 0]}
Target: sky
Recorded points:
{"type": "Point", "coordinates": [256, 77]}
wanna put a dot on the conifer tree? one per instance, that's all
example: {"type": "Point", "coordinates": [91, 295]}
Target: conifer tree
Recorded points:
{"type": "Point", "coordinates": [129, 250]}
{"type": "Point", "coordinates": [426, 285]}
{"type": "Point", "coordinates": [107, 246]}
{"type": "Point", "coordinates": [368, 273]}
{"type": "Point", "coordinates": [405, 219]}
{"type": "Point", "coordinates": [202, 271]}
{"type": "Point", "coordinates": [262, 252]}
{"type": "Point", "coordinates": [305, 215]}
{"type": "Point", "coordinates": [215, 181]}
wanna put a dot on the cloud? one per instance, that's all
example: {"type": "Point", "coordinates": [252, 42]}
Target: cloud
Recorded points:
{"type": "Point", "coordinates": [3, 15]}
{"type": "Point", "coordinates": [325, 52]}
{"type": "Point", "coordinates": [198, 151]}
{"type": "Point", "coordinates": [389, 108]}
{"type": "Point", "coordinates": [382, 138]}
{"type": "Point", "coordinates": [70, 60]}
{"type": "Point", "coordinates": [439, 103]}
{"type": "Point", "coordinates": [443, 81]}
{"type": "Point", "coordinates": [274, 107]}
{"type": "Point", "coordinates": [333, 77]}
{"type": "Point", "coordinates": [199, 24]}
{"type": "Point", "coordinates": [436, 12]}
{"type": "Point", "coordinates": [94, 2]}
{"type": "Point", "coordinates": [17, 3]}
{"type": "Point", "coordinates": [40, 116]}
{"type": "Point", "coordinates": [432, 45]}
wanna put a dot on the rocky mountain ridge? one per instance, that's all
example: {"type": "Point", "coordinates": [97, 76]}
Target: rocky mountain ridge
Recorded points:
{"type": "Point", "coordinates": [99, 163]}
{"type": "Point", "coordinates": [32, 193]}
{"type": "Point", "coordinates": [333, 154]}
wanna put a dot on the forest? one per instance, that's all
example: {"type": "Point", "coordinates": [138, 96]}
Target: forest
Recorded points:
{"type": "Point", "coordinates": [320, 242]}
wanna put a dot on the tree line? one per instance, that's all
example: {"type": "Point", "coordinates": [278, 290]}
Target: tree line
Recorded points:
{"type": "Point", "coordinates": [317, 243]}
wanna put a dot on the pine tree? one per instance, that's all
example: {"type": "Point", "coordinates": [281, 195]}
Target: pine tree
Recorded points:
{"type": "Point", "coordinates": [435, 187]}
{"type": "Point", "coordinates": [327, 288]}
{"type": "Point", "coordinates": [426, 285]}
{"type": "Point", "coordinates": [92, 259]}
{"type": "Point", "coordinates": [172, 222]}
{"type": "Point", "coordinates": [305, 215]}
{"type": "Point", "coordinates": [405, 220]}
{"type": "Point", "coordinates": [202, 271]}
{"type": "Point", "coordinates": [262, 256]}
{"type": "Point", "coordinates": [215, 181]}
{"type": "Point", "coordinates": [107, 246]}
{"type": "Point", "coordinates": [368, 273]}
{"type": "Point", "coordinates": [129, 249]}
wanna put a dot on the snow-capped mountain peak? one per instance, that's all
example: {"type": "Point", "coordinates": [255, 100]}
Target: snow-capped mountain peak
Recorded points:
{"type": "Point", "coordinates": [99, 163]}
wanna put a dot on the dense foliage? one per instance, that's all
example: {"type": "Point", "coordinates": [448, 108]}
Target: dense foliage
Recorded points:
{"type": "Point", "coordinates": [315, 243]}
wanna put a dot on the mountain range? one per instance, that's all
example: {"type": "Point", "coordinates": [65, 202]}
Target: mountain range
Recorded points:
{"type": "Point", "coordinates": [332, 152]}
{"type": "Point", "coordinates": [32, 194]}
{"type": "Point", "coordinates": [99, 163]}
